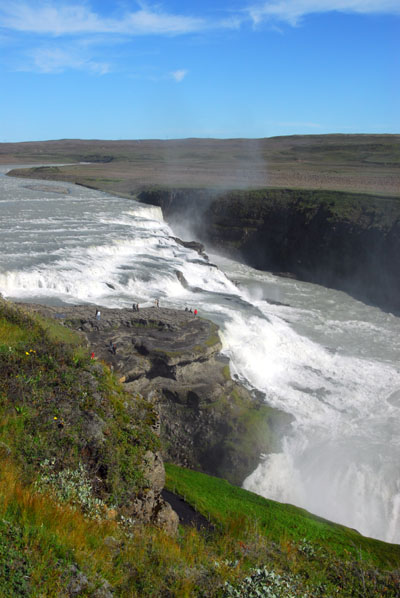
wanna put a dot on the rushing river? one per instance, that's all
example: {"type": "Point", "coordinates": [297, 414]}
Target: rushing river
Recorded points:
{"type": "Point", "coordinates": [318, 354]}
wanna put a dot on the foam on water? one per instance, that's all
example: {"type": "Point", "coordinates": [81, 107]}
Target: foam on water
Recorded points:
{"type": "Point", "coordinates": [148, 212]}
{"type": "Point", "coordinates": [341, 460]}
{"type": "Point", "coordinates": [315, 353]}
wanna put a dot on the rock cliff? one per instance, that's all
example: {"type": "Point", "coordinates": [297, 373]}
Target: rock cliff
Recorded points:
{"type": "Point", "coordinates": [208, 421]}
{"type": "Point", "coordinates": [342, 240]}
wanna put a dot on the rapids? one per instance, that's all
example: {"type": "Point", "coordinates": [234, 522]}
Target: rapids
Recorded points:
{"type": "Point", "coordinates": [327, 359]}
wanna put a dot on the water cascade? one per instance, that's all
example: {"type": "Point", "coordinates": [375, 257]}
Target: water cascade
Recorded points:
{"type": "Point", "coordinates": [314, 352]}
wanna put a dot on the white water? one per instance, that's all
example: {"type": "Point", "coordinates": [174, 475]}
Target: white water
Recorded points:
{"type": "Point", "coordinates": [327, 359]}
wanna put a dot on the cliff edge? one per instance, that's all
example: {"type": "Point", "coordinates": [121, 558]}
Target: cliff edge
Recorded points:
{"type": "Point", "coordinates": [208, 421]}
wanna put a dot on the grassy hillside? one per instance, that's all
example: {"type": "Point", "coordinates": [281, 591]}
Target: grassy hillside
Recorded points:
{"type": "Point", "coordinates": [222, 502]}
{"type": "Point", "coordinates": [60, 409]}
{"type": "Point", "coordinates": [63, 532]}
{"type": "Point", "coordinates": [358, 163]}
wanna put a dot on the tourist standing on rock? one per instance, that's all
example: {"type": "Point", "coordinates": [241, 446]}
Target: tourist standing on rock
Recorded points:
{"type": "Point", "coordinates": [195, 312]}
{"type": "Point", "coordinates": [97, 314]}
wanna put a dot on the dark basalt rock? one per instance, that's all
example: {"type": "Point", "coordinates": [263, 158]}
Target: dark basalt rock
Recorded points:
{"type": "Point", "coordinates": [195, 245]}
{"type": "Point", "coordinates": [208, 421]}
{"type": "Point", "coordinates": [182, 279]}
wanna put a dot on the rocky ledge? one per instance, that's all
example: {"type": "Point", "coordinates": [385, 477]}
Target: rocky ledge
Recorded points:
{"type": "Point", "coordinates": [208, 421]}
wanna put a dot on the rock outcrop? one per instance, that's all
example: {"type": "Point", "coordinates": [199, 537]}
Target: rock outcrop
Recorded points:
{"type": "Point", "coordinates": [208, 421]}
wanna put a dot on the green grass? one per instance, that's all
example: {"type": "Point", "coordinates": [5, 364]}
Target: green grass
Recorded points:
{"type": "Point", "coordinates": [50, 539]}
{"type": "Point", "coordinates": [46, 546]}
{"type": "Point", "coordinates": [11, 334]}
{"type": "Point", "coordinates": [57, 403]}
{"type": "Point", "coordinates": [253, 205]}
{"type": "Point", "coordinates": [222, 502]}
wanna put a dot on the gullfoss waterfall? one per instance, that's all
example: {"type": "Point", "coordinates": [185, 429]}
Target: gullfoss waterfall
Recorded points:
{"type": "Point", "coordinates": [330, 361]}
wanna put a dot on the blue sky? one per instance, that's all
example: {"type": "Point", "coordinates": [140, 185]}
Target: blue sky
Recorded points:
{"type": "Point", "coordinates": [170, 69]}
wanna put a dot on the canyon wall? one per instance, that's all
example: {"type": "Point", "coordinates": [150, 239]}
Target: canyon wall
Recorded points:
{"type": "Point", "coordinates": [341, 240]}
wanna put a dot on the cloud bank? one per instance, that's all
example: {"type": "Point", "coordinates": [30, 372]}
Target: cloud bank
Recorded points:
{"type": "Point", "coordinates": [68, 19]}
{"type": "Point", "coordinates": [292, 11]}
{"type": "Point", "coordinates": [76, 19]}
{"type": "Point", "coordinates": [57, 60]}
{"type": "Point", "coordinates": [78, 26]}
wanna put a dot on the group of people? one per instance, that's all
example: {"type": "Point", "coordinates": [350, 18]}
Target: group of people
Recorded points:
{"type": "Point", "coordinates": [135, 307]}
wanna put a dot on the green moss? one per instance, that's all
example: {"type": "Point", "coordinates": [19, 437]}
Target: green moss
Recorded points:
{"type": "Point", "coordinates": [211, 340]}
{"type": "Point", "coordinates": [213, 337]}
{"type": "Point", "coordinates": [252, 206]}
{"type": "Point", "coordinates": [226, 372]}
{"type": "Point", "coordinates": [251, 429]}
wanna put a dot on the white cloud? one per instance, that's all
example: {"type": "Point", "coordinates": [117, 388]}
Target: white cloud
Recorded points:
{"type": "Point", "coordinates": [179, 75]}
{"type": "Point", "coordinates": [145, 21]}
{"type": "Point", "coordinates": [292, 11]}
{"type": "Point", "coordinates": [68, 18]}
{"type": "Point", "coordinates": [58, 60]}
{"type": "Point", "coordinates": [75, 19]}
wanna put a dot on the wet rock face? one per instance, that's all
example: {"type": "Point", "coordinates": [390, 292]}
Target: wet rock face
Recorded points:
{"type": "Point", "coordinates": [199, 247]}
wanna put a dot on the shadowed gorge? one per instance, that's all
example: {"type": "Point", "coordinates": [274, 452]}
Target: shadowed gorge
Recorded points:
{"type": "Point", "coordinates": [341, 240]}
